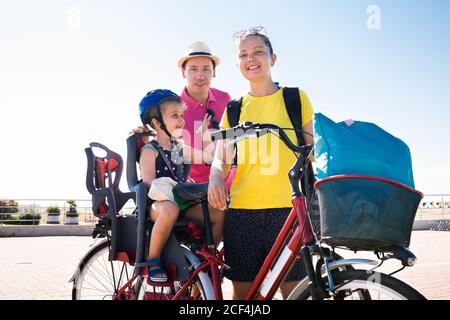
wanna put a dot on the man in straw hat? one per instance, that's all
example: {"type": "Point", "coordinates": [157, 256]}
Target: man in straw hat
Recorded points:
{"type": "Point", "coordinates": [198, 67]}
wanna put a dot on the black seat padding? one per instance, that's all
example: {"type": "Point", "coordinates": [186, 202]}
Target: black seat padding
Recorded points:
{"type": "Point", "coordinates": [191, 191]}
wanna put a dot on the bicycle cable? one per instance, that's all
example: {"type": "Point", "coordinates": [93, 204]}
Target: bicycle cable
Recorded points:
{"type": "Point", "coordinates": [403, 267]}
{"type": "Point", "coordinates": [298, 130]}
{"type": "Point", "coordinates": [297, 156]}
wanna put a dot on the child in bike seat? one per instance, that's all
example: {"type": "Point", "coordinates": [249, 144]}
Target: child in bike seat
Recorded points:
{"type": "Point", "coordinates": [164, 157]}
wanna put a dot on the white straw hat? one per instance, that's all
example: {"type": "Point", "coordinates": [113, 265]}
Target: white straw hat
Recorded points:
{"type": "Point", "coordinates": [198, 49]}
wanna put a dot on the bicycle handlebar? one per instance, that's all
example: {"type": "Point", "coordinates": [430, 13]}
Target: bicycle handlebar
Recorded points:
{"type": "Point", "coordinates": [249, 129]}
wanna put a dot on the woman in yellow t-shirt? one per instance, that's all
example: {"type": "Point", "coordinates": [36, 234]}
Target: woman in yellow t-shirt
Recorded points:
{"type": "Point", "coordinates": [260, 196]}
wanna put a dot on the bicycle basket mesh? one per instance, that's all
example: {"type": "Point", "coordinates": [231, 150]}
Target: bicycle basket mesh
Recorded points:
{"type": "Point", "coordinates": [366, 214]}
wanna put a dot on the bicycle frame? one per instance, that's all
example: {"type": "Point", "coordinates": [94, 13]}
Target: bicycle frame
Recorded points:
{"type": "Point", "coordinates": [213, 261]}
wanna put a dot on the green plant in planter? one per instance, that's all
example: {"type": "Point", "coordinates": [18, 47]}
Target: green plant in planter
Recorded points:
{"type": "Point", "coordinates": [29, 218]}
{"type": "Point", "coordinates": [7, 207]}
{"type": "Point", "coordinates": [72, 214]}
{"type": "Point", "coordinates": [72, 209]}
{"type": "Point", "coordinates": [10, 220]}
{"type": "Point", "coordinates": [53, 210]}
{"type": "Point", "coordinates": [53, 214]}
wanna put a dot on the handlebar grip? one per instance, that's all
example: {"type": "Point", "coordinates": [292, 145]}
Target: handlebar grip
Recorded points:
{"type": "Point", "coordinates": [232, 133]}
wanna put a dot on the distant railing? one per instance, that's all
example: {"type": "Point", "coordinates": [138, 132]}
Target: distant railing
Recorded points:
{"type": "Point", "coordinates": [435, 201]}
{"type": "Point", "coordinates": [432, 207]}
{"type": "Point", "coordinates": [40, 206]}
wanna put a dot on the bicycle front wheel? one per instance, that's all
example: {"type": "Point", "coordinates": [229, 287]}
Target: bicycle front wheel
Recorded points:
{"type": "Point", "coordinates": [364, 285]}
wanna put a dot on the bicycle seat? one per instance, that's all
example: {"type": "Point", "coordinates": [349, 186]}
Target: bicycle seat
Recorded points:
{"type": "Point", "coordinates": [191, 191]}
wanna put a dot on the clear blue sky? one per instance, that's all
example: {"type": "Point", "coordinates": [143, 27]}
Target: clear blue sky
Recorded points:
{"type": "Point", "coordinates": [72, 72]}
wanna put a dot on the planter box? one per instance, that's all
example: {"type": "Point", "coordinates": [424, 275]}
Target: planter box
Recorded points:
{"type": "Point", "coordinates": [71, 220]}
{"type": "Point", "coordinates": [53, 218]}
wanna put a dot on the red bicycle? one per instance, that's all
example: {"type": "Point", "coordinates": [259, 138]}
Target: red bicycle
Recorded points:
{"type": "Point", "coordinates": [198, 266]}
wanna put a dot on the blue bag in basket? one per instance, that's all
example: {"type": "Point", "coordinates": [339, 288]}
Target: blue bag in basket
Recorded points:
{"type": "Point", "coordinates": [360, 148]}
{"type": "Point", "coordinates": [365, 188]}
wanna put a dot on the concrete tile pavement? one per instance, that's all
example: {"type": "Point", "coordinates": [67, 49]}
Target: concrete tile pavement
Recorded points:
{"type": "Point", "coordinates": [39, 267]}
{"type": "Point", "coordinates": [431, 273]}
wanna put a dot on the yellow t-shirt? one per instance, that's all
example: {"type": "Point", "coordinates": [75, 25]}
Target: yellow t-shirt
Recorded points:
{"type": "Point", "coordinates": [261, 179]}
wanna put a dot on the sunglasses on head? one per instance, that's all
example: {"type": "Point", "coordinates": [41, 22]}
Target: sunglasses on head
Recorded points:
{"type": "Point", "coordinates": [244, 33]}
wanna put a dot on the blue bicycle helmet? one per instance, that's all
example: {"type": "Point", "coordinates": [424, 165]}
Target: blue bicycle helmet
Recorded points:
{"type": "Point", "coordinates": [154, 99]}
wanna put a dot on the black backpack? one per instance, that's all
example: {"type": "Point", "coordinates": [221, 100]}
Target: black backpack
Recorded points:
{"type": "Point", "coordinates": [294, 109]}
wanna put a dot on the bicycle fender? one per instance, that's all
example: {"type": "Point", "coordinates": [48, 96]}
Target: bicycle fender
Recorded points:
{"type": "Point", "coordinates": [348, 262]}
{"type": "Point", "coordinates": [93, 247]}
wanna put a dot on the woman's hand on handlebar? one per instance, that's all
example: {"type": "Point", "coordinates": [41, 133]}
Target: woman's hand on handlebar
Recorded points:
{"type": "Point", "coordinates": [217, 190]}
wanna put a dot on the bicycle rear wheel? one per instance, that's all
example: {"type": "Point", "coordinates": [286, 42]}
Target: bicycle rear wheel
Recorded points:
{"type": "Point", "coordinates": [97, 278]}
{"type": "Point", "coordinates": [364, 285]}
{"type": "Point", "coordinates": [100, 279]}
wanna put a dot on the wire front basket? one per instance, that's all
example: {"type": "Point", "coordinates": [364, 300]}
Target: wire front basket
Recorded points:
{"type": "Point", "coordinates": [366, 213]}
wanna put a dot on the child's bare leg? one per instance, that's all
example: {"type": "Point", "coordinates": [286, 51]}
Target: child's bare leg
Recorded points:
{"type": "Point", "coordinates": [216, 216]}
{"type": "Point", "coordinates": [164, 214]}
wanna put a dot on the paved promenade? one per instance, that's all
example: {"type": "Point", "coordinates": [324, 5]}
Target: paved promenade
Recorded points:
{"type": "Point", "coordinates": [39, 267]}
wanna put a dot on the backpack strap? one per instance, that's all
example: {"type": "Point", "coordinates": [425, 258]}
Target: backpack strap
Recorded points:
{"type": "Point", "coordinates": [233, 114]}
{"type": "Point", "coordinates": [293, 106]}
{"type": "Point", "coordinates": [294, 109]}
{"type": "Point", "coordinates": [234, 111]}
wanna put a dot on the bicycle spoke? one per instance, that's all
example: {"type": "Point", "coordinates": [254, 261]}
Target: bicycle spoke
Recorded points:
{"type": "Point", "coordinates": [101, 278]}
